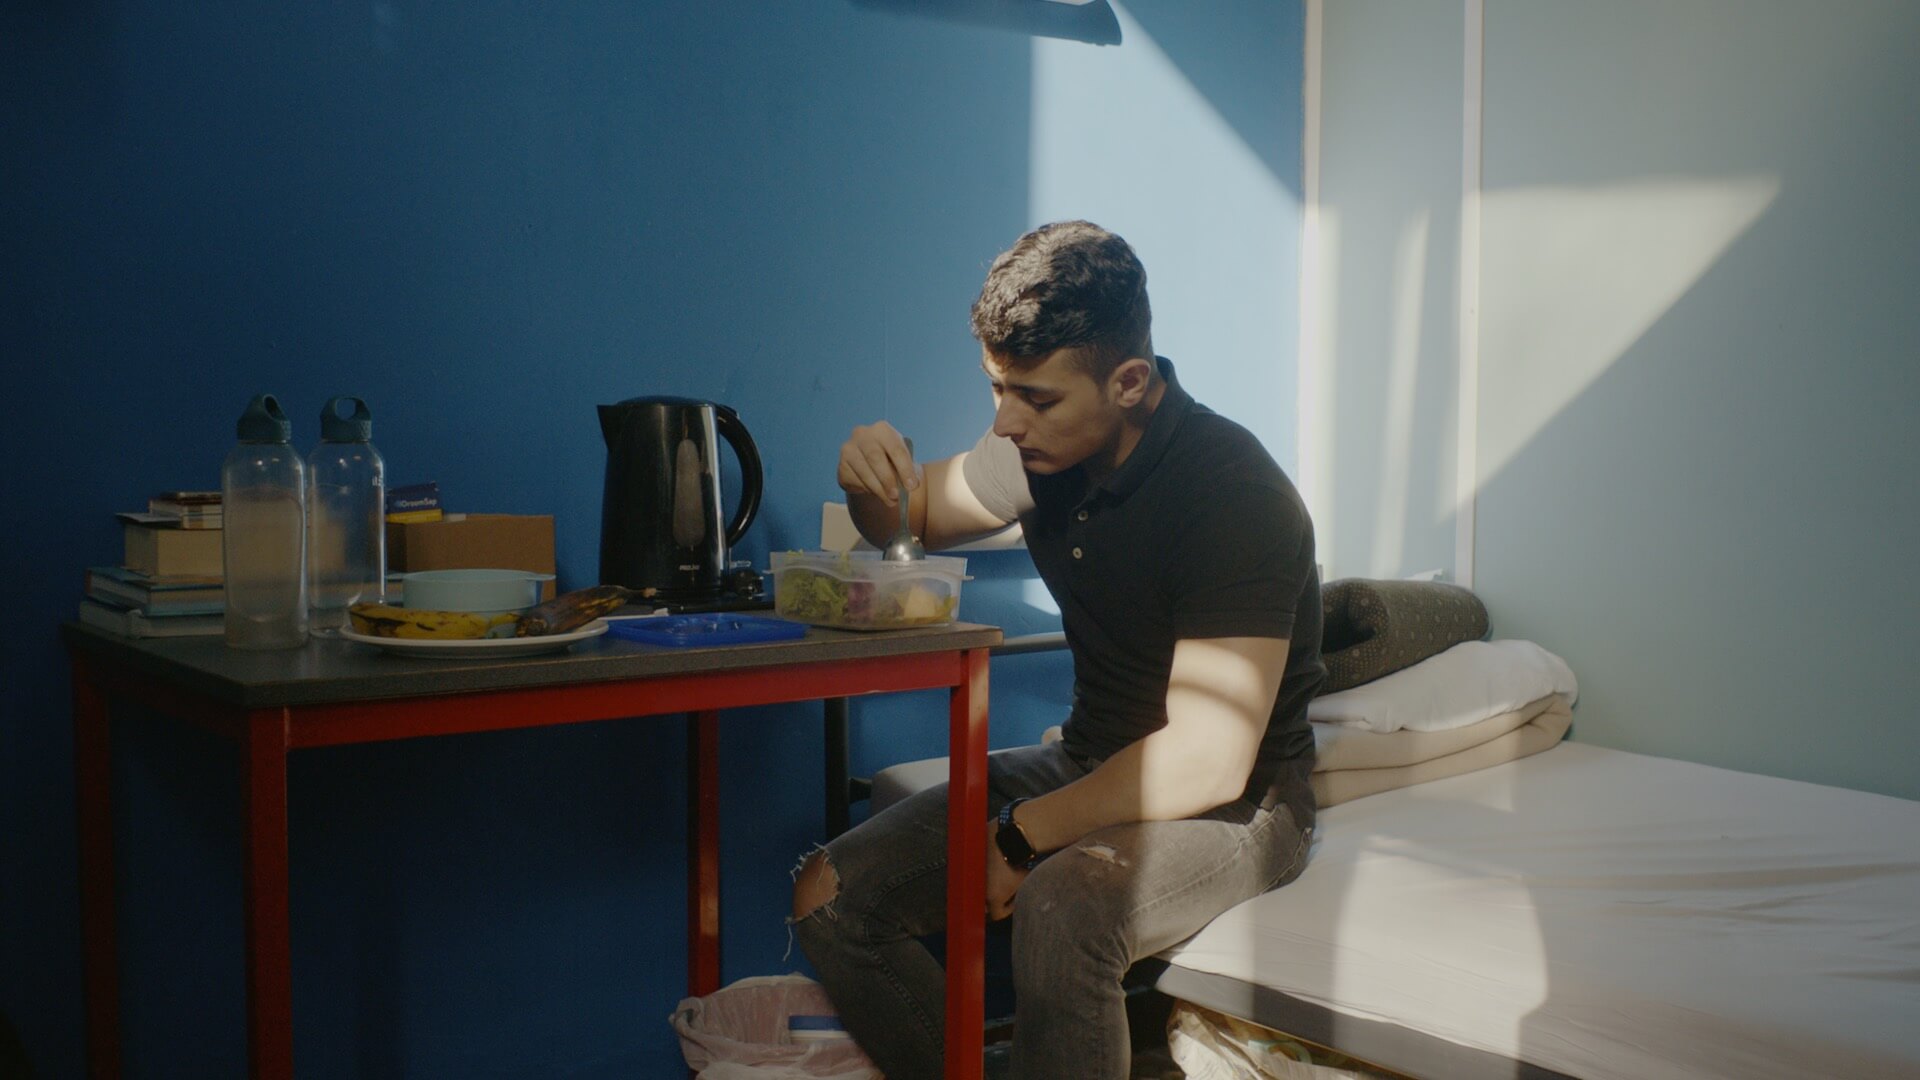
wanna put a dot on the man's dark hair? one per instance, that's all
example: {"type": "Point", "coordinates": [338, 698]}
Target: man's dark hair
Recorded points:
{"type": "Point", "coordinates": [1068, 285]}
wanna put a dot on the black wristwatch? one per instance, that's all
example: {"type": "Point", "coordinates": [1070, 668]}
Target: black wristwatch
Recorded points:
{"type": "Point", "coordinates": [1013, 843]}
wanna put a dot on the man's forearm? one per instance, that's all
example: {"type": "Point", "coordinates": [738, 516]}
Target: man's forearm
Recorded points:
{"type": "Point", "coordinates": [1163, 777]}
{"type": "Point", "coordinates": [1219, 696]}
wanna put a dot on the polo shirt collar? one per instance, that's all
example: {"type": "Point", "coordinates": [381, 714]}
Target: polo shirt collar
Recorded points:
{"type": "Point", "coordinates": [1174, 406]}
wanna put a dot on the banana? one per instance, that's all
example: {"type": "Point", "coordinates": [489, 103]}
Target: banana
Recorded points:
{"type": "Point", "coordinates": [570, 611]}
{"type": "Point", "coordinates": [380, 620]}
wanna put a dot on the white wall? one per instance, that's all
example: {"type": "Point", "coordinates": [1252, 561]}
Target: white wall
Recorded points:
{"type": "Point", "coordinates": [1378, 395]}
{"type": "Point", "coordinates": [1696, 376]}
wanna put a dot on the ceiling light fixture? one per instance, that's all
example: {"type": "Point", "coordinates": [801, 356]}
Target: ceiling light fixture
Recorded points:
{"type": "Point", "coordinates": [1091, 21]}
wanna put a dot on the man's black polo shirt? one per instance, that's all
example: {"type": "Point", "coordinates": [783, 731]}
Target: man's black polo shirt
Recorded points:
{"type": "Point", "coordinates": [1198, 534]}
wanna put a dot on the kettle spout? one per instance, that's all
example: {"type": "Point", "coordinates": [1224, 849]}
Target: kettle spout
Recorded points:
{"type": "Point", "coordinates": [609, 422]}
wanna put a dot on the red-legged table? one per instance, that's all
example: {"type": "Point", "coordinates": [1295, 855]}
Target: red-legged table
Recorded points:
{"type": "Point", "coordinates": [331, 693]}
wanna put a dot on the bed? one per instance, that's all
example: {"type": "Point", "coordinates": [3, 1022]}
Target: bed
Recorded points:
{"type": "Point", "coordinates": [1590, 913]}
{"type": "Point", "coordinates": [1485, 899]}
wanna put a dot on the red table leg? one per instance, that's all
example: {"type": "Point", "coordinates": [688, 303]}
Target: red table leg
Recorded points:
{"type": "Point", "coordinates": [269, 935]}
{"type": "Point", "coordinates": [93, 783]}
{"type": "Point", "coordinates": [967, 870]}
{"type": "Point", "coordinates": [703, 853]}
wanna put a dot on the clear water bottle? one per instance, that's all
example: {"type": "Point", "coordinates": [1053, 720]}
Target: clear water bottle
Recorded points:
{"type": "Point", "coordinates": [346, 517]}
{"type": "Point", "coordinates": [264, 506]}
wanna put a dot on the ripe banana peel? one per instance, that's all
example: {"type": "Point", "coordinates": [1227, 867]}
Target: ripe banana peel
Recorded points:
{"type": "Point", "coordinates": [570, 611]}
{"type": "Point", "coordinates": [381, 620]}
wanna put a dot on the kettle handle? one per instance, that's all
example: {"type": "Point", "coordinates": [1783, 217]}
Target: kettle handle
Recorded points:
{"type": "Point", "coordinates": [728, 423]}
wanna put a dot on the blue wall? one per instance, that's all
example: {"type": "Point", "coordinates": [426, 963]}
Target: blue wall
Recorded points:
{"type": "Point", "coordinates": [485, 220]}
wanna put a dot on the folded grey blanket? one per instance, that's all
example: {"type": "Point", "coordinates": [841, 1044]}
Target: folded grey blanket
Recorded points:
{"type": "Point", "coordinates": [1376, 627]}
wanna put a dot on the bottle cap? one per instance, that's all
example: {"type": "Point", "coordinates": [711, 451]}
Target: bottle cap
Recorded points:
{"type": "Point", "coordinates": [337, 428]}
{"type": "Point", "coordinates": [263, 422]}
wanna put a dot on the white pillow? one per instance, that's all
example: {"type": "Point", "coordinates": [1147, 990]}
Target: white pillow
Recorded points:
{"type": "Point", "coordinates": [1466, 684]}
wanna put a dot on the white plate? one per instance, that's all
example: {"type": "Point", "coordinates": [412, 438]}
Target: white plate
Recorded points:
{"type": "Point", "coordinates": [478, 648]}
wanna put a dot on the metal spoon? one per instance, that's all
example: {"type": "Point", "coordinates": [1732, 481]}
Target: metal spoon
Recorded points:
{"type": "Point", "coordinates": [904, 547]}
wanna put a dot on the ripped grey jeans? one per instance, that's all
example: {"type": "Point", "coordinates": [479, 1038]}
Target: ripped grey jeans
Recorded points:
{"type": "Point", "coordinates": [1081, 918]}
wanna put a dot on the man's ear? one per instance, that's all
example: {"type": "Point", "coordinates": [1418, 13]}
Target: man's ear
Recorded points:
{"type": "Point", "coordinates": [1129, 383]}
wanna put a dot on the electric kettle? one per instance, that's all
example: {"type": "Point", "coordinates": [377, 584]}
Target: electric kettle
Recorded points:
{"type": "Point", "coordinates": [660, 514]}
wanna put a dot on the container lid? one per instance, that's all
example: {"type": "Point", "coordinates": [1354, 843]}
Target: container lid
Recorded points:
{"type": "Point", "coordinates": [682, 631]}
{"type": "Point", "coordinates": [355, 428]}
{"type": "Point", "coordinates": [263, 422]}
{"type": "Point", "coordinates": [868, 565]}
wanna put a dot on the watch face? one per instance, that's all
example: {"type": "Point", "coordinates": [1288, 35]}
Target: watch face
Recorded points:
{"type": "Point", "coordinates": [1013, 845]}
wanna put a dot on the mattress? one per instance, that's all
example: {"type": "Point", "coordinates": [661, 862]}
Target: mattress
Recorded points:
{"type": "Point", "coordinates": [1590, 913]}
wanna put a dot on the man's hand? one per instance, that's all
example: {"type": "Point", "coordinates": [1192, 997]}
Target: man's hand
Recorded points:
{"type": "Point", "coordinates": [1002, 880]}
{"type": "Point", "coordinates": [874, 461]}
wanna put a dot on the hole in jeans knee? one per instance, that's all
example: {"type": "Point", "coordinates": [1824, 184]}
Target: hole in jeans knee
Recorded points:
{"type": "Point", "coordinates": [815, 884]}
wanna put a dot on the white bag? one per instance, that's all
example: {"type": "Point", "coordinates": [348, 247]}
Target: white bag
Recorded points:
{"type": "Point", "coordinates": [1213, 1046]}
{"type": "Point", "coordinates": [739, 1032]}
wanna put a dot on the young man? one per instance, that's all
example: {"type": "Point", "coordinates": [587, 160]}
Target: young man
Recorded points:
{"type": "Point", "coordinates": [1183, 563]}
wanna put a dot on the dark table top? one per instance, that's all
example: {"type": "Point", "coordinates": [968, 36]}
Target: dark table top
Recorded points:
{"type": "Point", "coordinates": [332, 670]}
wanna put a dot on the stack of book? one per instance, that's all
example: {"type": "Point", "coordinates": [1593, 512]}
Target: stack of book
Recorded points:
{"type": "Point", "coordinates": [142, 605]}
{"type": "Point", "coordinates": [190, 509]}
{"type": "Point", "coordinates": [169, 581]}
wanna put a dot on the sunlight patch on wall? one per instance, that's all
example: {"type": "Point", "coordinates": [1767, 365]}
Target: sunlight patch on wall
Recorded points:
{"type": "Point", "coordinates": [1319, 341]}
{"type": "Point", "coordinates": [1575, 275]}
{"type": "Point", "coordinates": [1122, 138]}
{"type": "Point", "coordinates": [1395, 494]}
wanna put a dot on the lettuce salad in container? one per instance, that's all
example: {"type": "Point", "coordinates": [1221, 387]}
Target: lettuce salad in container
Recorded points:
{"type": "Point", "coordinates": [858, 590]}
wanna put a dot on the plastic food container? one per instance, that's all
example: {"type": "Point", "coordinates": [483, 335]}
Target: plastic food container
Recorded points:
{"type": "Point", "coordinates": [484, 592]}
{"type": "Point", "coordinates": [860, 591]}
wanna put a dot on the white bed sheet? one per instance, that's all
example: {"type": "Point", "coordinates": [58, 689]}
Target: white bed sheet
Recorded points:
{"type": "Point", "coordinates": [1608, 915]}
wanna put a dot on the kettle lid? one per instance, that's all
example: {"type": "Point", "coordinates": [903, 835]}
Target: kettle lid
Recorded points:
{"type": "Point", "coordinates": [664, 399]}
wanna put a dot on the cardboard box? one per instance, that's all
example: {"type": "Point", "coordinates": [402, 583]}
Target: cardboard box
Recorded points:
{"type": "Point", "coordinates": [474, 541]}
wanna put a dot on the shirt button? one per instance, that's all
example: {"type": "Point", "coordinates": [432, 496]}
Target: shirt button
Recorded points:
{"type": "Point", "coordinates": [1076, 553]}
{"type": "Point", "coordinates": [1083, 515]}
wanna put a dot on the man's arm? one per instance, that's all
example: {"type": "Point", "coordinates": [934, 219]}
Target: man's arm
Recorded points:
{"type": "Point", "coordinates": [943, 510]}
{"type": "Point", "coordinates": [1219, 699]}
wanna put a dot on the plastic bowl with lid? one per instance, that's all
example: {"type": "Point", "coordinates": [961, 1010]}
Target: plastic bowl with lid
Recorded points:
{"type": "Point", "coordinates": [483, 592]}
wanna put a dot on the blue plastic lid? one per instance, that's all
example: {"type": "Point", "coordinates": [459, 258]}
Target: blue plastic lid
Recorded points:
{"type": "Point", "coordinates": [681, 631]}
{"type": "Point", "coordinates": [263, 422]}
{"type": "Point", "coordinates": [357, 427]}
